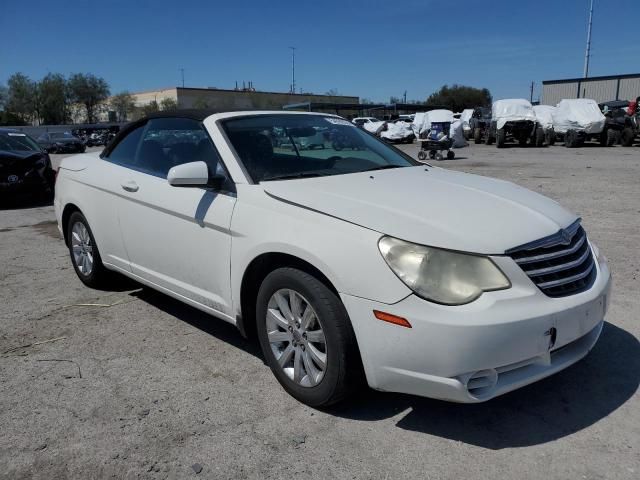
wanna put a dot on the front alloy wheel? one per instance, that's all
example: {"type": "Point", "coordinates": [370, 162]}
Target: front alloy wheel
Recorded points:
{"type": "Point", "coordinates": [306, 337]}
{"type": "Point", "coordinates": [296, 337]}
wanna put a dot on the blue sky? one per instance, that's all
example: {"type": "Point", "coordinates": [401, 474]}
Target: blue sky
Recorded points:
{"type": "Point", "coordinates": [368, 48]}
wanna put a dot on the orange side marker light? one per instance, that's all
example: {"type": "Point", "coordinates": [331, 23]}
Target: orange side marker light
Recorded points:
{"type": "Point", "coordinates": [387, 317]}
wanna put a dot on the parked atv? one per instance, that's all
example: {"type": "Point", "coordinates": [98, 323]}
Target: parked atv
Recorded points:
{"type": "Point", "coordinates": [618, 126]}
{"type": "Point", "coordinates": [544, 114]}
{"type": "Point", "coordinates": [514, 119]}
{"type": "Point", "coordinates": [479, 122]}
{"type": "Point", "coordinates": [577, 120]}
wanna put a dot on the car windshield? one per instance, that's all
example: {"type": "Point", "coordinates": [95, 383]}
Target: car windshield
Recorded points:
{"type": "Point", "coordinates": [17, 142]}
{"type": "Point", "coordinates": [61, 135]}
{"type": "Point", "coordinates": [289, 146]}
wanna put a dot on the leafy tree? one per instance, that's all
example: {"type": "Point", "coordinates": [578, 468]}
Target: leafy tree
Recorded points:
{"type": "Point", "coordinates": [332, 93]}
{"type": "Point", "coordinates": [4, 93]}
{"type": "Point", "coordinates": [22, 97]}
{"type": "Point", "coordinates": [53, 100]}
{"type": "Point", "coordinates": [123, 104]}
{"type": "Point", "coordinates": [395, 100]}
{"type": "Point", "coordinates": [459, 97]}
{"type": "Point", "coordinates": [168, 104]}
{"type": "Point", "coordinates": [89, 91]}
{"type": "Point", "coordinates": [200, 103]}
{"type": "Point", "coordinates": [150, 107]}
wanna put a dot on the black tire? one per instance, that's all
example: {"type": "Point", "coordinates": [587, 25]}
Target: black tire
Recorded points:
{"type": "Point", "coordinates": [540, 137]}
{"type": "Point", "coordinates": [451, 155]}
{"type": "Point", "coordinates": [570, 139]}
{"type": "Point", "coordinates": [550, 137]}
{"type": "Point", "coordinates": [343, 373]}
{"type": "Point", "coordinates": [501, 138]}
{"type": "Point", "coordinates": [628, 136]}
{"type": "Point", "coordinates": [422, 155]}
{"type": "Point", "coordinates": [432, 154]}
{"type": "Point", "coordinates": [99, 276]}
{"type": "Point", "coordinates": [613, 137]}
{"type": "Point", "coordinates": [477, 135]}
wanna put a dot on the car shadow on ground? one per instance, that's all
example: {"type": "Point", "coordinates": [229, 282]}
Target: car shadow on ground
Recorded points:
{"type": "Point", "coordinates": [542, 412]}
{"type": "Point", "coordinates": [209, 324]}
{"type": "Point", "coordinates": [26, 202]}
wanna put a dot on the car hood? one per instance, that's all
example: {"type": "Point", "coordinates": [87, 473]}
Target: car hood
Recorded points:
{"type": "Point", "coordinates": [431, 206]}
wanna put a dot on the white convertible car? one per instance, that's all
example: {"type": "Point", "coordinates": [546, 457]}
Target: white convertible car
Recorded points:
{"type": "Point", "coordinates": [350, 265]}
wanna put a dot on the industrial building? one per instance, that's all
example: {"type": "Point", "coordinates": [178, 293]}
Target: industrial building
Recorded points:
{"type": "Point", "coordinates": [235, 99]}
{"type": "Point", "coordinates": [600, 89]}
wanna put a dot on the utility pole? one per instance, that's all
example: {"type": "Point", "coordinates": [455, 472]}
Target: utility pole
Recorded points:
{"type": "Point", "coordinates": [293, 69]}
{"type": "Point", "coordinates": [405, 97]}
{"type": "Point", "coordinates": [587, 54]}
{"type": "Point", "coordinates": [182, 71]}
{"type": "Point", "coordinates": [531, 96]}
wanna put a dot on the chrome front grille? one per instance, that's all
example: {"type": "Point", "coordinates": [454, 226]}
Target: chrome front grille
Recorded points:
{"type": "Point", "coordinates": [561, 264]}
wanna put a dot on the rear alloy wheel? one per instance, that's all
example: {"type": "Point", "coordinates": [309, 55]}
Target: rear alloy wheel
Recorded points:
{"type": "Point", "coordinates": [85, 256]}
{"type": "Point", "coordinates": [422, 155]}
{"type": "Point", "coordinates": [306, 338]}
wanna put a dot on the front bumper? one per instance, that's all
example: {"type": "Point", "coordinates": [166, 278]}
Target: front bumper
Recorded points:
{"type": "Point", "coordinates": [472, 353]}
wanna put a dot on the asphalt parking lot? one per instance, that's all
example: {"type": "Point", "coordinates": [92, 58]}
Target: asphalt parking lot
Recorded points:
{"type": "Point", "coordinates": [133, 384]}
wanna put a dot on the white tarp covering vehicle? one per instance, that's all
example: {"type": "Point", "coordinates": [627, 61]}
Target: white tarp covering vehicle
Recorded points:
{"type": "Point", "coordinates": [579, 114]}
{"type": "Point", "coordinates": [397, 132]}
{"type": "Point", "coordinates": [374, 127]}
{"type": "Point", "coordinates": [457, 134]}
{"type": "Point", "coordinates": [544, 114]}
{"type": "Point", "coordinates": [512, 110]}
{"type": "Point", "coordinates": [515, 119]}
{"type": "Point", "coordinates": [465, 116]}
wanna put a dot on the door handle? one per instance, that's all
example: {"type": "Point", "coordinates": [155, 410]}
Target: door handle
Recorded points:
{"type": "Point", "coordinates": [130, 186]}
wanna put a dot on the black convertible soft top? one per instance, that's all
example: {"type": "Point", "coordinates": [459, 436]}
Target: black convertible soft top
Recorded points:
{"type": "Point", "coordinates": [194, 114]}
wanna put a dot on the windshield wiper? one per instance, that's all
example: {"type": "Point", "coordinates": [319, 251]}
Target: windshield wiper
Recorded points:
{"type": "Point", "coordinates": [381, 167]}
{"type": "Point", "coordinates": [291, 176]}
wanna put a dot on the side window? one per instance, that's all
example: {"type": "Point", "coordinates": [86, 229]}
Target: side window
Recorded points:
{"type": "Point", "coordinates": [168, 142]}
{"type": "Point", "coordinates": [125, 152]}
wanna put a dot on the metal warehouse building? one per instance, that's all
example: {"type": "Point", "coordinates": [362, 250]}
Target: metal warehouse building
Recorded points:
{"type": "Point", "coordinates": [601, 89]}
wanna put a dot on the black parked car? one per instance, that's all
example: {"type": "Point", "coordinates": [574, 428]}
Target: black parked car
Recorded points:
{"type": "Point", "coordinates": [61, 142]}
{"type": "Point", "coordinates": [24, 167]}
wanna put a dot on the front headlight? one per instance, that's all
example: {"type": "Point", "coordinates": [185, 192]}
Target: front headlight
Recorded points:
{"type": "Point", "coordinates": [442, 276]}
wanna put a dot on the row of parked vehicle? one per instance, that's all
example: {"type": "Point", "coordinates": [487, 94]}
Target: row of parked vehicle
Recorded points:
{"type": "Point", "coordinates": [75, 141]}
{"type": "Point", "coordinates": [572, 121]}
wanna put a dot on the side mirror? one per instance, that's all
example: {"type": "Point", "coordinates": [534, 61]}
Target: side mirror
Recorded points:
{"type": "Point", "coordinates": [194, 174]}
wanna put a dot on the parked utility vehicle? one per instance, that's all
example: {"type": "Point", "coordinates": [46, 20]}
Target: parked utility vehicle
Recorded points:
{"type": "Point", "coordinates": [577, 120]}
{"type": "Point", "coordinates": [514, 119]}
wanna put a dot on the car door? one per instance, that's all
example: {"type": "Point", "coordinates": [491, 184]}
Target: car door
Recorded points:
{"type": "Point", "coordinates": [178, 238]}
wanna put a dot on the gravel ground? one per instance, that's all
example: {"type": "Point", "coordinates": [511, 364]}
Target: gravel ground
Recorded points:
{"type": "Point", "coordinates": [132, 384]}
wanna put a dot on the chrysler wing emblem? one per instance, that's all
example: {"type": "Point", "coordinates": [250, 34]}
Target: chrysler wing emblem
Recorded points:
{"type": "Point", "coordinates": [12, 178]}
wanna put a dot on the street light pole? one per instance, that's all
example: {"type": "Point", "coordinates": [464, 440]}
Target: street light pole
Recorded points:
{"type": "Point", "coordinates": [587, 54]}
{"type": "Point", "coordinates": [182, 72]}
{"type": "Point", "coordinates": [293, 69]}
